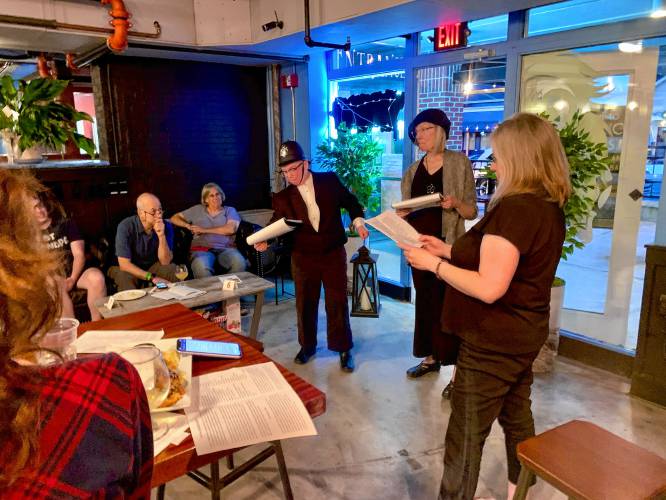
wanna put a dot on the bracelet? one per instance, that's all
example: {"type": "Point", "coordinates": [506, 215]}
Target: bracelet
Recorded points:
{"type": "Point", "coordinates": [148, 276]}
{"type": "Point", "coordinates": [437, 270]}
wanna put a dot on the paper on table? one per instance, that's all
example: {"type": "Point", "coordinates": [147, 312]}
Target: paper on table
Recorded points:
{"type": "Point", "coordinates": [98, 341]}
{"type": "Point", "coordinates": [428, 200]}
{"type": "Point", "coordinates": [396, 228]}
{"type": "Point", "coordinates": [175, 435]}
{"type": "Point", "coordinates": [178, 292]}
{"type": "Point", "coordinates": [244, 406]}
{"type": "Point", "coordinates": [278, 228]}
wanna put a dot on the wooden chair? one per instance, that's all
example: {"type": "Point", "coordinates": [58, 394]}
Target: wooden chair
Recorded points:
{"type": "Point", "coordinates": [584, 461]}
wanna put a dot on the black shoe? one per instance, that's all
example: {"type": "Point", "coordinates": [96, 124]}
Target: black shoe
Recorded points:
{"type": "Point", "coordinates": [422, 368]}
{"type": "Point", "coordinates": [346, 362]}
{"type": "Point", "coordinates": [446, 393]}
{"type": "Point", "coordinates": [304, 356]}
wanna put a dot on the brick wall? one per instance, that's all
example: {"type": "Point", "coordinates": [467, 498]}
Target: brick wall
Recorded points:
{"type": "Point", "coordinates": [436, 89]}
{"type": "Point", "coordinates": [178, 124]}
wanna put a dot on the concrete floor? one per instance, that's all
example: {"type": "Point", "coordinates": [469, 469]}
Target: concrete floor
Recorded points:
{"type": "Point", "coordinates": [382, 435]}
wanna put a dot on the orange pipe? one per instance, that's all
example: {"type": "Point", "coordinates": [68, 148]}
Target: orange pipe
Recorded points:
{"type": "Point", "coordinates": [43, 67]}
{"type": "Point", "coordinates": [117, 42]}
{"type": "Point", "coordinates": [69, 57]}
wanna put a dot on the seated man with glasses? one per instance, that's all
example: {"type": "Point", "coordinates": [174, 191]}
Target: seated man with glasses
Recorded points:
{"type": "Point", "coordinates": [143, 247]}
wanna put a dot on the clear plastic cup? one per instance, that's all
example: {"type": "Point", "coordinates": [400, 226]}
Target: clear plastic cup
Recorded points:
{"type": "Point", "coordinates": [60, 338]}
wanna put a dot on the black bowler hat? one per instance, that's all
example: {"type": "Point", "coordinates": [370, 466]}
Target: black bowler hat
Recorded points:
{"type": "Point", "coordinates": [434, 116]}
{"type": "Point", "coordinates": [290, 151]}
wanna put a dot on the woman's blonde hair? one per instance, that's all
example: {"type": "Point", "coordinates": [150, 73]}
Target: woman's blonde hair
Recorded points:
{"type": "Point", "coordinates": [440, 139]}
{"type": "Point", "coordinates": [205, 191]}
{"type": "Point", "coordinates": [29, 304]}
{"type": "Point", "coordinates": [532, 158]}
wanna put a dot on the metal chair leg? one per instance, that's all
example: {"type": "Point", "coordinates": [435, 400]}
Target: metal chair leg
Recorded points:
{"type": "Point", "coordinates": [160, 491]}
{"type": "Point", "coordinates": [282, 467]}
{"type": "Point", "coordinates": [524, 481]}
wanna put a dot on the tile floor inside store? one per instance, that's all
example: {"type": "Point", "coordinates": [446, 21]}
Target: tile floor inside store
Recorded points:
{"type": "Point", "coordinates": [382, 435]}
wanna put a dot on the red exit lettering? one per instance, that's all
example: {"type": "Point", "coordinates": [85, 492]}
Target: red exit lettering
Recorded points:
{"type": "Point", "coordinates": [450, 36]}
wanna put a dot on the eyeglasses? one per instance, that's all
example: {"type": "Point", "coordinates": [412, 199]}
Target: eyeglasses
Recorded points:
{"type": "Point", "coordinates": [215, 195]}
{"type": "Point", "coordinates": [154, 212]}
{"type": "Point", "coordinates": [423, 130]}
{"type": "Point", "coordinates": [287, 171]}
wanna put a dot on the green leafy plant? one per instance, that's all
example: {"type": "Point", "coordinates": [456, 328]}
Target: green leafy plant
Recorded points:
{"type": "Point", "coordinates": [352, 157]}
{"type": "Point", "coordinates": [30, 114]}
{"type": "Point", "coordinates": [590, 174]}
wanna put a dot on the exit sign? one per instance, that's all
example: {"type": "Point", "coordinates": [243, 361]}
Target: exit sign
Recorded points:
{"type": "Point", "coordinates": [450, 36]}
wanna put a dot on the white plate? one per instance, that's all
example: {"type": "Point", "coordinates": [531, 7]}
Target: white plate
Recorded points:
{"type": "Point", "coordinates": [184, 366]}
{"type": "Point", "coordinates": [129, 295]}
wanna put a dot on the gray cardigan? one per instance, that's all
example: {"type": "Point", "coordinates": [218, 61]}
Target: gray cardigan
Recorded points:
{"type": "Point", "coordinates": [458, 180]}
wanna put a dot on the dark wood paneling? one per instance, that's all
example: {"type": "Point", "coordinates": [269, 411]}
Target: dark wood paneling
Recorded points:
{"type": "Point", "coordinates": [177, 125]}
{"type": "Point", "coordinates": [596, 353]}
{"type": "Point", "coordinates": [649, 376]}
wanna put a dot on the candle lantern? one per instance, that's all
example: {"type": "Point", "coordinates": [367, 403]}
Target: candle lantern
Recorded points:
{"type": "Point", "coordinates": [365, 288]}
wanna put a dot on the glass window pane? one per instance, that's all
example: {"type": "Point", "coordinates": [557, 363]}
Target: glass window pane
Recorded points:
{"type": "Point", "coordinates": [368, 53]}
{"type": "Point", "coordinates": [573, 14]}
{"type": "Point", "coordinates": [483, 31]}
{"type": "Point", "coordinates": [374, 105]}
{"type": "Point", "coordinates": [611, 85]}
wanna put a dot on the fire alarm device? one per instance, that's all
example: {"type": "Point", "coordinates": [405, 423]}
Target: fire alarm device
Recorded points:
{"type": "Point", "coordinates": [289, 81]}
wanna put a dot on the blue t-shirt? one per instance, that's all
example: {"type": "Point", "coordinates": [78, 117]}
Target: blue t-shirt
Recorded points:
{"type": "Point", "coordinates": [199, 216]}
{"type": "Point", "coordinates": [134, 244]}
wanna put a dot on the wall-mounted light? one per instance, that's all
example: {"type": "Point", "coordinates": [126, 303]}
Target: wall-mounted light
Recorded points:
{"type": "Point", "coordinates": [658, 9]}
{"type": "Point", "coordinates": [273, 24]}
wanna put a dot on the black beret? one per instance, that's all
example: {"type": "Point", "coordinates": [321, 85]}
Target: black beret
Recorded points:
{"type": "Point", "coordinates": [290, 151]}
{"type": "Point", "coordinates": [434, 116]}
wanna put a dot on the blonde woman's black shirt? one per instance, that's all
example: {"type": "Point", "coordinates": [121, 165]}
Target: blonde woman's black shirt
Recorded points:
{"type": "Point", "coordinates": [518, 321]}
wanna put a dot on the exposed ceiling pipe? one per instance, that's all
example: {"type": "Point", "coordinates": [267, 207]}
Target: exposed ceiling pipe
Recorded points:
{"type": "Point", "coordinates": [311, 43]}
{"type": "Point", "coordinates": [69, 62]}
{"type": "Point", "coordinates": [52, 24]}
{"type": "Point", "coordinates": [121, 25]}
{"type": "Point", "coordinates": [42, 66]}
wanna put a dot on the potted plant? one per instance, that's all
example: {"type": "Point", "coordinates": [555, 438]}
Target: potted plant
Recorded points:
{"type": "Point", "coordinates": [31, 117]}
{"type": "Point", "coordinates": [352, 157]}
{"type": "Point", "coordinates": [590, 175]}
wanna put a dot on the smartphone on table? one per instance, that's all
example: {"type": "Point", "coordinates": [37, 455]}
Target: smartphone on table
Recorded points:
{"type": "Point", "coordinates": [213, 348]}
{"type": "Point", "coordinates": [161, 285]}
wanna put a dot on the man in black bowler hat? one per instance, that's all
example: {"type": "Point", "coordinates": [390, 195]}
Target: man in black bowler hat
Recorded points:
{"type": "Point", "coordinates": [319, 254]}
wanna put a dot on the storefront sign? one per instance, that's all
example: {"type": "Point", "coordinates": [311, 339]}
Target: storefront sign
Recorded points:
{"type": "Point", "coordinates": [450, 36]}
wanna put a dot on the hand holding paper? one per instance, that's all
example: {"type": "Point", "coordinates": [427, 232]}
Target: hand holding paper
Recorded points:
{"type": "Point", "coordinates": [278, 228]}
{"type": "Point", "coordinates": [396, 228]}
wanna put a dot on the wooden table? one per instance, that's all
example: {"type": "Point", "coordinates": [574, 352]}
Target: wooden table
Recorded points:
{"type": "Point", "coordinates": [250, 285]}
{"type": "Point", "coordinates": [178, 321]}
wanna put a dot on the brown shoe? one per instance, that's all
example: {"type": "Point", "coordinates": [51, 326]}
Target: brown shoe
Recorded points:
{"type": "Point", "coordinates": [422, 368]}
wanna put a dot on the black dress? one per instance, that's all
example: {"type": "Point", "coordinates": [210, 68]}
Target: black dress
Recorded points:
{"type": "Point", "coordinates": [428, 338]}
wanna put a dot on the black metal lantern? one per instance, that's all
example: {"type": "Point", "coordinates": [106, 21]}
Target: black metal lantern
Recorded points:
{"type": "Point", "coordinates": [365, 288]}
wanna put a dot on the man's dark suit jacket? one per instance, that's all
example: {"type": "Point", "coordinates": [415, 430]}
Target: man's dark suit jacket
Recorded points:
{"type": "Point", "coordinates": [331, 196]}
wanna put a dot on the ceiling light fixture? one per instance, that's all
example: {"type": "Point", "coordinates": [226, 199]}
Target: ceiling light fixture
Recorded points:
{"type": "Point", "coordinates": [631, 47]}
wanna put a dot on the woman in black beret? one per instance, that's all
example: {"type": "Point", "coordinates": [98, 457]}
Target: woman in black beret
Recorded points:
{"type": "Point", "coordinates": [449, 173]}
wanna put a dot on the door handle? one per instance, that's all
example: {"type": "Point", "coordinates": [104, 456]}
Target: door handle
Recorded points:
{"type": "Point", "coordinates": [635, 195]}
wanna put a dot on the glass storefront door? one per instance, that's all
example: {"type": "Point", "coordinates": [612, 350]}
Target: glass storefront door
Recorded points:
{"type": "Point", "coordinates": [614, 90]}
{"type": "Point", "coordinates": [374, 105]}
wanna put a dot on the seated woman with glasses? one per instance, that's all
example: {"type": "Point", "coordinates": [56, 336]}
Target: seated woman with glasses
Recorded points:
{"type": "Point", "coordinates": [214, 227]}
{"type": "Point", "coordinates": [144, 244]}
{"type": "Point", "coordinates": [79, 429]}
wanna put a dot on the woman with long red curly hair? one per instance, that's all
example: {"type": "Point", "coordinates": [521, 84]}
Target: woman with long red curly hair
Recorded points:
{"type": "Point", "coordinates": [74, 429]}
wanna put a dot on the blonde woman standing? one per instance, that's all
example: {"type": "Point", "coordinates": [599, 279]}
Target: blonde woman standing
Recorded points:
{"type": "Point", "coordinates": [499, 275]}
{"type": "Point", "coordinates": [450, 173]}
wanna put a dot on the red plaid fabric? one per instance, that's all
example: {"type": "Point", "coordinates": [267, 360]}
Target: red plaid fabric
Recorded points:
{"type": "Point", "coordinates": [95, 438]}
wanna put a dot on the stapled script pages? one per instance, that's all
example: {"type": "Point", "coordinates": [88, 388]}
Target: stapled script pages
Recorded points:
{"type": "Point", "coordinates": [243, 406]}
